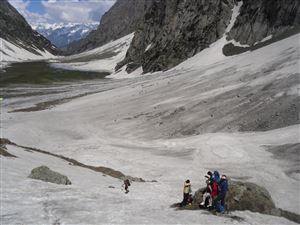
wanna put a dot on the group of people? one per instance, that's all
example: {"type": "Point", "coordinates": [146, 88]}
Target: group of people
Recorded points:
{"type": "Point", "coordinates": [213, 195]}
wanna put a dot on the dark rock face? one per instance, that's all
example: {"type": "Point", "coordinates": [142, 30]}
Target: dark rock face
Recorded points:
{"type": "Point", "coordinates": [259, 19]}
{"type": "Point", "coordinates": [15, 29]}
{"type": "Point", "coordinates": [45, 174]}
{"type": "Point", "coordinates": [122, 19]}
{"type": "Point", "coordinates": [172, 31]}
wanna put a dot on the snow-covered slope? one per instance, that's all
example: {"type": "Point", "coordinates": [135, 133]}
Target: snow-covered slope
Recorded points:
{"type": "Point", "coordinates": [11, 52]}
{"type": "Point", "coordinates": [95, 199]}
{"type": "Point", "coordinates": [18, 42]}
{"type": "Point", "coordinates": [210, 112]}
{"type": "Point", "coordinates": [168, 126]}
{"type": "Point", "coordinates": [104, 58]}
{"type": "Point", "coordinates": [61, 34]}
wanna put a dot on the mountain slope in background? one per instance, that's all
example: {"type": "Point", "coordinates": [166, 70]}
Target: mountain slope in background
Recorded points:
{"type": "Point", "coordinates": [173, 31]}
{"type": "Point", "coordinates": [62, 34]}
{"type": "Point", "coordinates": [15, 29]}
{"type": "Point", "coordinates": [122, 19]}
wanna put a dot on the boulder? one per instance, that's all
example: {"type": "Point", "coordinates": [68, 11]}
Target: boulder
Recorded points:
{"type": "Point", "coordinates": [241, 196]}
{"type": "Point", "coordinates": [244, 196]}
{"type": "Point", "coordinates": [45, 174]}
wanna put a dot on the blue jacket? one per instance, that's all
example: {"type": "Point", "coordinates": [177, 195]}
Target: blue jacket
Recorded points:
{"type": "Point", "coordinates": [216, 176]}
{"type": "Point", "coordinates": [223, 187]}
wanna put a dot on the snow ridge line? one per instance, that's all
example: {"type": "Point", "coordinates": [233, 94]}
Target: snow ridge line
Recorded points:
{"type": "Point", "coordinates": [105, 170]}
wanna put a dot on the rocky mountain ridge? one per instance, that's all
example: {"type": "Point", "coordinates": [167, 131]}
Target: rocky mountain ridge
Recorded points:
{"type": "Point", "coordinates": [172, 31]}
{"type": "Point", "coordinates": [15, 29]}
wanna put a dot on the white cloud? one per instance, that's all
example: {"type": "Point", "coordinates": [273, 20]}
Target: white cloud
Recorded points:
{"type": "Point", "coordinates": [65, 11]}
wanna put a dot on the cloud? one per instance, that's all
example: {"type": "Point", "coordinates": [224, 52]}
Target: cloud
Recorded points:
{"type": "Point", "coordinates": [31, 17]}
{"type": "Point", "coordinates": [62, 11]}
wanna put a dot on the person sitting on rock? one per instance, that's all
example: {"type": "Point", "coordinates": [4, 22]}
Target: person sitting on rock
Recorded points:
{"type": "Point", "coordinates": [126, 185]}
{"type": "Point", "coordinates": [187, 190]}
{"type": "Point", "coordinates": [219, 201]}
{"type": "Point", "coordinates": [207, 199]}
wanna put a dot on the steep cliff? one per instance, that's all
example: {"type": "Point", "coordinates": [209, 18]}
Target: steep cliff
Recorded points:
{"type": "Point", "coordinates": [173, 31]}
{"type": "Point", "coordinates": [122, 19]}
{"type": "Point", "coordinates": [260, 19]}
{"type": "Point", "coordinates": [15, 29]}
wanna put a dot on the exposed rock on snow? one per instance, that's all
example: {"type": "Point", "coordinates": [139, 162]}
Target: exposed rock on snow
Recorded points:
{"type": "Point", "coordinates": [289, 158]}
{"type": "Point", "coordinates": [45, 174]}
{"type": "Point", "coordinates": [246, 196]}
{"type": "Point", "coordinates": [5, 153]}
{"type": "Point", "coordinates": [260, 19]}
{"type": "Point", "coordinates": [233, 49]}
{"type": "Point", "coordinates": [176, 30]}
{"type": "Point", "coordinates": [105, 170]}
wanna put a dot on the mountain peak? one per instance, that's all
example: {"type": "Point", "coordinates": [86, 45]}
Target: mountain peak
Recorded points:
{"type": "Point", "coordinates": [62, 34]}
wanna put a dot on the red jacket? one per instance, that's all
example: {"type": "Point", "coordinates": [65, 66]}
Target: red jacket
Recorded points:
{"type": "Point", "coordinates": [215, 190]}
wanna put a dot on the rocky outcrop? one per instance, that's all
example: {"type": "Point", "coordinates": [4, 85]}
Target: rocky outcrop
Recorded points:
{"type": "Point", "coordinates": [245, 196]}
{"type": "Point", "coordinates": [15, 29]}
{"type": "Point", "coordinates": [172, 31]}
{"type": "Point", "coordinates": [45, 174]}
{"type": "Point", "coordinates": [241, 196]}
{"type": "Point", "coordinates": [262, 18]}
{"type": "Point", "coordinates": [5, 153]}
{"type": "Point", "coordinates": [101, 169]}
{"type": "Point", "coordinates": [122, 19]}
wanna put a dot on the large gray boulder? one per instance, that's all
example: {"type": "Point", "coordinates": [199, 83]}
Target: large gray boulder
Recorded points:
{"type": "Point", "coordinates": [245, 196]}
{"type": "Point", "coordinates": [45, 174]}
{"type": "Point", "coordinates": [241, 196]}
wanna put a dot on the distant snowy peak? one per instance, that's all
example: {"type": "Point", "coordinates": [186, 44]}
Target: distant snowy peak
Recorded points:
{"type": "Point", "coordinates": [61, 34]}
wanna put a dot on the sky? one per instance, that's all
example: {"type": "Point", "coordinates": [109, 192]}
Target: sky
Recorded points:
{"type": "Point", "coordinates": [62, 11]}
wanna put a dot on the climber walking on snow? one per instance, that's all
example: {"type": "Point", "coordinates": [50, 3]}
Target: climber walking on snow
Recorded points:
{"type": "Point", "coordinates": [126, 185]}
